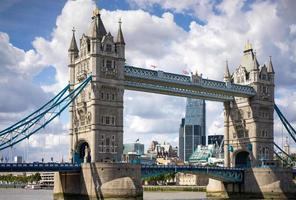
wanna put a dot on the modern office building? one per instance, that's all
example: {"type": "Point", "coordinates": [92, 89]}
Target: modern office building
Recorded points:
{"type": "Point", "coordinates": [136, 148]}
{"type": "Point", "coordinates": [192, 130]}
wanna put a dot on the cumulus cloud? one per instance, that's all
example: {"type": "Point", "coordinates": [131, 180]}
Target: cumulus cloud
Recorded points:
{"type": "Point", "coordinates": [158, 40]}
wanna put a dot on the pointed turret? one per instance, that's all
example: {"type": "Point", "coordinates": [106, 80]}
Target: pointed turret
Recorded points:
{"type": "Point", "coordinates": [226, 73]}
{"type": "Point", "coordinates": [73, 46]}
{"type": "Point", "coordinates": [97, 27]}
{"type": "Point", "coordinates": [120, 39]}
{"type": "Point", "coordinates": [270, 66]}
{"type": "Point", "coordinates": [255, 62]}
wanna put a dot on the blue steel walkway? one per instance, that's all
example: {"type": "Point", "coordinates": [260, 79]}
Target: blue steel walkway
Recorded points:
{"type": "Point", "coordinates": [39, 167]}
{"type": "Point", "coordinates": [220, 173]}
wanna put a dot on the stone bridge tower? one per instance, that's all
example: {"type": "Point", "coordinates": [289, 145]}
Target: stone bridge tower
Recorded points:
{"type": "Point", "coordinates": [248, 122]}
{"type": "Point", "coordinates": [96, 132]}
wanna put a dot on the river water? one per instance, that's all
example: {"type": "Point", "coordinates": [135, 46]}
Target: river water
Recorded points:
{"type": "Point", "coordinates": [23, 194]}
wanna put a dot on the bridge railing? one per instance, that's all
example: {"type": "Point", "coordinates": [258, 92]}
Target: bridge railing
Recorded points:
{"type": "Point", "coordinates": [220, 173]}
{"type": "Point", "coordinates": [135, 72]}
{"type": "Point", "coordinates": [38, 167]}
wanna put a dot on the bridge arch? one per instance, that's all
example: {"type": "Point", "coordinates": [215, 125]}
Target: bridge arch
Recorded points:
{"type": "Point", "coordinates": [82, 152]}
{"type": "Point", "coordinates": [241, 158]}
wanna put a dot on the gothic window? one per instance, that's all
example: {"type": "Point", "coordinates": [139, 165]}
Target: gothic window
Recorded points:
{"type": "Point", "coordinates": [88, 46]}
{"type": "Point", "coordinates": [108, 48]}
{"type": "Point", "coordinates": [102, 95]}
{"type": "Point", "coordinates": [265, 153]}
{"type": "Point", "coordinates": [113, 97]}
{"type": "Point", "coordinates": [109, 64]}
{"type": "Point", "coordinates": [264, 90]}
{"type": "Point", "coordinates": [249, 114]}
{"type": "Point", "coordinates": [107, 96]}
{"type": "Point", "coordinates": [113, 120]}
{"type": "Point", "coordinates": [107, 141]}
{"type": "Point", "coordinates": [264, 77]}
{"type": "Point", "coordinates": [102, 119]}
{"type": "Point", "coordinates": [102, 137]}
{"type": "Point", "coordinates": [242, 79]}
{"type": "Point", "coordinates": [107, 120]}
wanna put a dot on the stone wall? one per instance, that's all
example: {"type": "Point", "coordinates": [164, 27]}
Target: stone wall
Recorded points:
{"type": "Point", "coordinates": [100, 181]}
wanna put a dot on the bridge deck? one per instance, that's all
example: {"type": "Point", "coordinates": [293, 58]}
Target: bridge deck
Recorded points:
{"type": "Point", "coordinates": [39, 167]}
{"type": "Point", "coordinates": [220, 173]}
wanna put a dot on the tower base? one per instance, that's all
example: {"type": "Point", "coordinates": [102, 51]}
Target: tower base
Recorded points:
{"type": "Point", "coordinates": [259, 183]}
{"type": "Point", "coordinates": [100, 181]}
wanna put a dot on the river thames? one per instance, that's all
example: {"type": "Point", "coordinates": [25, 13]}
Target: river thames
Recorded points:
{"type": "Point", "coordinates": [23, 194]}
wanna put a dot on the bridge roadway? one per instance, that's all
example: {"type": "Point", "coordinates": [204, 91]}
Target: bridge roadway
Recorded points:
{"type": "Point", "coordinates": [219, 173]}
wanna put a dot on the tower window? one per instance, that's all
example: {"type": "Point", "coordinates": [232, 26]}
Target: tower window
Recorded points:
{"type": "Point", "coordinates": [107, 120]}
{"type": "Point", "coordinates": [108, 48]}
{"type": "Point", "coordinates": [109, 64]}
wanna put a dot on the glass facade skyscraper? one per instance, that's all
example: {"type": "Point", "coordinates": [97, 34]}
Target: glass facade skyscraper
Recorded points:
{"type": "Point", "coordinates": [192, 130]}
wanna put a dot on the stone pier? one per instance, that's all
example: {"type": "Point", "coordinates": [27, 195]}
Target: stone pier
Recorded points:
{"type": "Point", "coordinates": [259, 183]}
{"type": "Point", "coordinates": [100, 181]}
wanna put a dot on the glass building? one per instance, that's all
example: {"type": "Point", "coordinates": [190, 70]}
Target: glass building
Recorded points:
{"type": "Point", "coordinates": [192, 130]}
{"type": "Point", "coordinates": [137, 148]}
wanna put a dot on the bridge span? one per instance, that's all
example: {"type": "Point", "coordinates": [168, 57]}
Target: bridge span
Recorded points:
{"type": "Point", "coordinates": [225, 174]}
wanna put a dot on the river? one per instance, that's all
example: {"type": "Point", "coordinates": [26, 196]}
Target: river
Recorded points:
{"type": "Point", "coordinates": [23, 194]}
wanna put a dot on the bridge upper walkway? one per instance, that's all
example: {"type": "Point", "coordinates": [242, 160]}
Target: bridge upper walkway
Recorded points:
{"type": "Point", "coordinates": [161, 82]}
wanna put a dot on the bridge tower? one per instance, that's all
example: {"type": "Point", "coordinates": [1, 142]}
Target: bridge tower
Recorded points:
{"type": "Point", "coordinates": [248, 122]}
{"type": "Point", "coordinates": [96, 132]}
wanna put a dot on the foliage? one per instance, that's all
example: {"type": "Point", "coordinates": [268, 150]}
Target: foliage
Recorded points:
{"type": "Point", "coordinates": [20, 179]}
{"type": "Point", "coordinates": [161, 177]}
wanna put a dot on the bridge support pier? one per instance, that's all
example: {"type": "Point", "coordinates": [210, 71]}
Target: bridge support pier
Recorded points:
{"type": "Point", "coordinates": [100, 181]}
{"type": "Point", "coordinates": [259, 183]}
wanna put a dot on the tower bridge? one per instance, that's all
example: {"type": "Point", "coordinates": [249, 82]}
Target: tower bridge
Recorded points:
{"type": "Point", "coordinates": [97, 81]}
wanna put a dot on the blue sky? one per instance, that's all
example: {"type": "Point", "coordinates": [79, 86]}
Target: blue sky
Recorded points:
{"type": "Point", "coordinates": [35, 36]}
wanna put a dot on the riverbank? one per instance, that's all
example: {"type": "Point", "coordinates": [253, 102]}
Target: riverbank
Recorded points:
{"type": "Point", "coordinates": [152, 188]}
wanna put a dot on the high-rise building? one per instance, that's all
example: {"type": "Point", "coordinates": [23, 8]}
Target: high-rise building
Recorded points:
{"type": "Point", "coordinates": [192, 130]}
{"type": "Point", "coordinates": [137, 148]}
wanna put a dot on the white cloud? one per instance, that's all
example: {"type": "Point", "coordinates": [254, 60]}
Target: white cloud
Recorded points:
{"type": "Point", "coordinates": [160, 41]}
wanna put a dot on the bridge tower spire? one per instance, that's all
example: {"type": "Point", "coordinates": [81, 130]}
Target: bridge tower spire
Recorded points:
{"type": "Point", "coordinates": [249, 121]}
{"type": "Point", "coordinates": [97, 113]}
{"type": "Point", "coordinates": [120, 44]}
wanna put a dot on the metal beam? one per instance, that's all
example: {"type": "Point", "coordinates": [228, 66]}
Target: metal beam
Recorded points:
{"type": "Point", "coordinates": [204, 88]}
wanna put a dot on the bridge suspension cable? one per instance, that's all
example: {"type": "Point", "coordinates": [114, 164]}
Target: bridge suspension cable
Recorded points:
{"type": "Point", "coordinates": [292, 160]}
{"type": "Point", "coordinates": [288, 126]}
{"type": "Point", "coordinates": [41, 117]}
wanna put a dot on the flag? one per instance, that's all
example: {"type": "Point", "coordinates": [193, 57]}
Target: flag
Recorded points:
{"type": "Point", "coordinates": [185, 72]}
{"type": "Point", "coordinates": [153, 66]}
{"type": "Point", "coordinates": [138, 140]}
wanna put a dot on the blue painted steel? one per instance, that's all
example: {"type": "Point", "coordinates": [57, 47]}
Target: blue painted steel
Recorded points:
{"type": "Point", "coordinates": [219, 173]}
{"type": "Point", "coordinates": [44, 116]}
{"type": "Point", "coordinates": [161, 89]}
{"type": "Point", "coordinates": [27, 119]}
{"type": "Point", "coordinates": [39, 167]}
{"type": "Point", "coordinates": [289, 128]}
{"type": "Point", "coordinates": [223, 174]}
{"type": "Point", "coordinates": [159, 79]}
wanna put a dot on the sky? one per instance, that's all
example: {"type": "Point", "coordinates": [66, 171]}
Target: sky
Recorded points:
{"type": "Point", "coordinates": [173, 35]}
